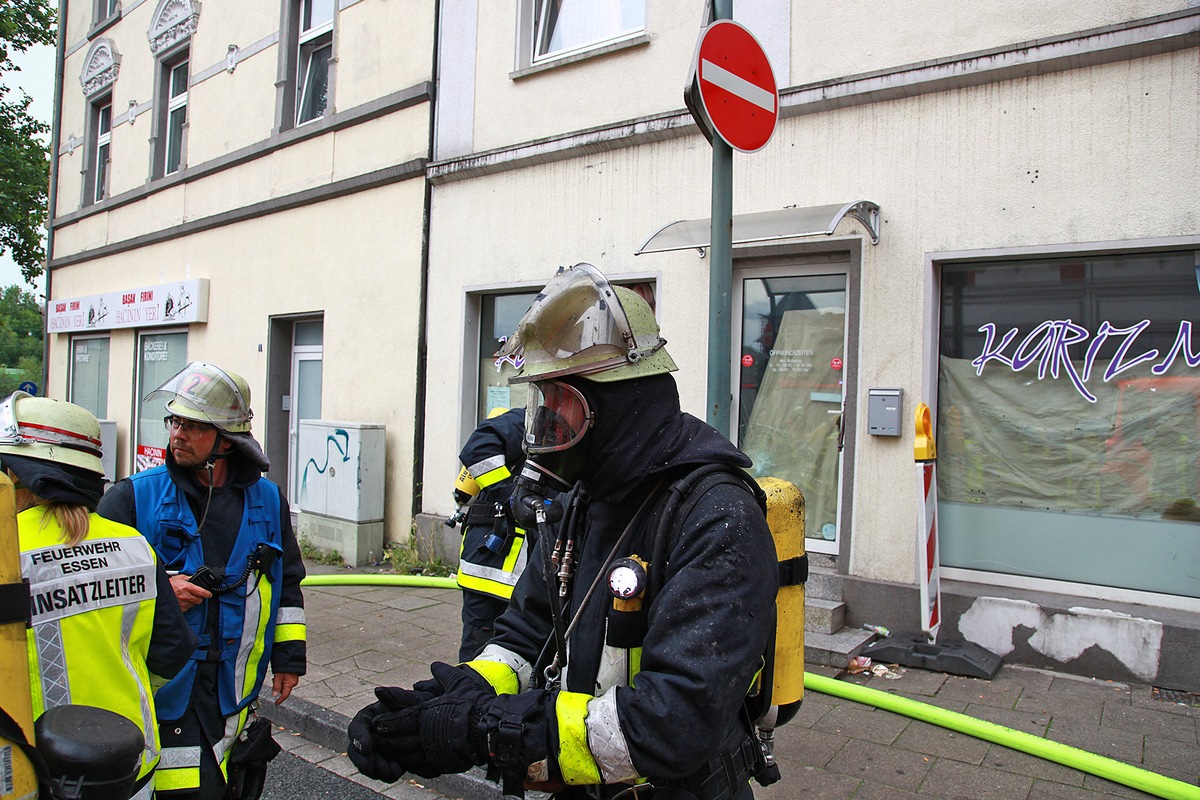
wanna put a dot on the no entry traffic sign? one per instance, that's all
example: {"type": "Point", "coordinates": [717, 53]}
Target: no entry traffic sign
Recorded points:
{"type": "Point", "coordinates": [734, 86]}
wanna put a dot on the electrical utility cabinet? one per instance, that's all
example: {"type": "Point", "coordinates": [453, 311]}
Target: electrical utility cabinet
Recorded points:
{"type": "Point", "coordinates": [340, 485]}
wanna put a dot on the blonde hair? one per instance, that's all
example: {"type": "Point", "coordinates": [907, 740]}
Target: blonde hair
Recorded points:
{"type": "Point", "coordinates": [73, 519]}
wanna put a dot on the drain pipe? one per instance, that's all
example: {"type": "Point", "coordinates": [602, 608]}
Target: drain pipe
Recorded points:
{"type": "Point", "coordinates": [1100, 766]}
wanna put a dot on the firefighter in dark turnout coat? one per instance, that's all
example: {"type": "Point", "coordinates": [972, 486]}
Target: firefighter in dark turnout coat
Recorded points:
{"type": "Point", "coordinates": [625, 655]}
{"type": "Point", "coordinates": [494, 549]}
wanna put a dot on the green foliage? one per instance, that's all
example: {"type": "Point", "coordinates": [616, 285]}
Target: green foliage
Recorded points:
{"type": "Point", "coordinates": [24, 156]}
{"type": "Point", "coordinates": [405, 559]}
{"type": "Point", "coordinates": [310, 552]}
{"type": "Point", "coordinates": [20, 339]}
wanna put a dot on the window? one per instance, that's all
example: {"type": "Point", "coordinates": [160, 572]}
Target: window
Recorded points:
{"type": "Point", "coordinates": [101, 136]}
{"type": "Point", "coordinates": [106, 9]}
{"type": "Point", "coordinates": [499, 315]}
{"type": "Point", "coordinates": [315, 50]}
{"type": "Point", "coordinates": [175, 99]}
{"type": "Point", "coordinates": [562, 27]}
{"type": "Point", "coordinates": [1069, 420]}
{"type": "Point", "coordinates": [160, 355]}
{"type": "Point", "coordinates": [89, 374]}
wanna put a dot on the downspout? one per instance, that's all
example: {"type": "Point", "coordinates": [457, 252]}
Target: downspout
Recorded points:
{"type": "Point", "coordinates": [423, 294]}
{"type": "Point", "coordinates": [52, 189]}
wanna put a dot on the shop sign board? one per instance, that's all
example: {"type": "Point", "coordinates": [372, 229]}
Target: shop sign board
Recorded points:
{"type": "Point", "coordinates": [178, 303]}
{"type": "Point", "coordinates": [735, 85]}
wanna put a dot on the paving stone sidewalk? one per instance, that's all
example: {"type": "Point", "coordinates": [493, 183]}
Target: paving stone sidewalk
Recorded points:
{"type": "Point", "coordinates": [360, 637]}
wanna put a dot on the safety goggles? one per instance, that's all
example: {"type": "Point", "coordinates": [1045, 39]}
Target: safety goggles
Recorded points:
{"type": "Point", "coordinates": [15, 432]}
{"type": "Point", "coordinates": [185, 426]}
{"type": "Point", "coordinates": [556, 417]}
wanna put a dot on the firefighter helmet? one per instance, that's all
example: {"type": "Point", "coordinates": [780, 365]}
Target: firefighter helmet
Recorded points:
{"type": "Point", "coordinates": [581, 324]}
{"type": "Point", "coordinates": [50, 430]}
{"type": "Point", "coordinates": [206, 393]}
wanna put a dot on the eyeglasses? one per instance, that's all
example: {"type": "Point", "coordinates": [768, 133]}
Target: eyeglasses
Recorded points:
{"type": "Point", "coordinates": [184, 426]}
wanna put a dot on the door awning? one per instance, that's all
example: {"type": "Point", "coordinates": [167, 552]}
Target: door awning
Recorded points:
{"type": "Point", "coordinates": [765, 226]}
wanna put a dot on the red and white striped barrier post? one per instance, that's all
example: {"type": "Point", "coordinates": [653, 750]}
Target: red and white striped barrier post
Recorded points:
{"type": "Point", "coordinates": [928, 579]}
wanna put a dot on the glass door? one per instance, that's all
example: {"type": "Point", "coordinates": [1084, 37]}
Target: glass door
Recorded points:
{"type": "Point", "coordinates": [790, 386]}
{"type": "Point", "coordinates": [307, 376]}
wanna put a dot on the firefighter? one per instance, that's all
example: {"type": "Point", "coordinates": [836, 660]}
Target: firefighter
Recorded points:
{"type": "Point", "coordinates": [105, 622]}
{"type": "Point", "coordinates": [624, 656]}
{"type": "Point", "coordinates": [226, 533]}
{"type": "Point", "coordinates": [494, 549]}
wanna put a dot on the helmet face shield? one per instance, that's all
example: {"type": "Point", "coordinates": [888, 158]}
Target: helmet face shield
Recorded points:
{"type": "Point", "coordinates": [578, 325]}
{"type": "Point", "coordinates": [206, 393]}
{"type": "Point", "coordinates": [557, 417]}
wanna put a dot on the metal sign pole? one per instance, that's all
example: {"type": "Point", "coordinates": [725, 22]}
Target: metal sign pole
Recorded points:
{"type": "Point", "coordinates": [720, 272]}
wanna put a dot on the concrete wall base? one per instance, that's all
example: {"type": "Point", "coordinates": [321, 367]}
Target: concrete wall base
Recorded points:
{"type": "Point", "coordinates": [358, 543]}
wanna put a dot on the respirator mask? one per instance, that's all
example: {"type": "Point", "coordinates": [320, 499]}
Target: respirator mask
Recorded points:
{"type": "Point", "coordinates": [557, 420]}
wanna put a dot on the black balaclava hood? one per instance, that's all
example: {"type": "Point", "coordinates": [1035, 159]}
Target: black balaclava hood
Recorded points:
{"type": "Point", "coordinates": [640, 431]}
{"type": "Point", "coordinates": [60, 483]}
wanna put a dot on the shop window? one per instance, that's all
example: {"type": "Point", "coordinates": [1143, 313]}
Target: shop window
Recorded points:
{"type": "Point", "coordinates": [1069, 420]}
{"type": "Point", "coordinates": [96, 174]}
{"type": "Point", "coordinates": [315, 48]}
{"type": "Point", "coordinates": [173, 114]}
{"type": "Point", "coordinates": [560, 28]}
{"type": "Point", "coordinates": [499, 315]}
{"type": "Point", "coordinates": [89, 374]}
{"type": "Point", "coordinates": [160, 355]}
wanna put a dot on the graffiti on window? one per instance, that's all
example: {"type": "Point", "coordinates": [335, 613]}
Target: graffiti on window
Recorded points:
{"type": "Point", "coordinates": [1058, 348]}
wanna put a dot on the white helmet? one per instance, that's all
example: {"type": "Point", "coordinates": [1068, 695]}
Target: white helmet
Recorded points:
{"type": "Point", "coordinates": [50, 430]}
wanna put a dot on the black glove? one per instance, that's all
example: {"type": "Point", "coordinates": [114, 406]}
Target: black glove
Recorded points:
{"type": "Point", "coordinates": [517, 730]}
{"type": "Point", "coordinates": [363, 751]}
{"type": "Point", "coordinates": [438, 736]}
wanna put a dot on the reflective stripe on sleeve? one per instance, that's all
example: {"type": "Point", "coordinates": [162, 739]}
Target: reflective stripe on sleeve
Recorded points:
{"type": "Point", "coordinates": [289, 625]}
{"type": "Point", "coordinates": [500, 676]}
{"type": "Point", "coordinates": [575, 760]}
{"type": "Point", "coordinates": [519, 666]}
{"type": "Point", "coordinates": [606, 740]}
{"type": "Point", "coordinates": [178, 768]}
{"type": "Point", "coordinates": [490, 471]}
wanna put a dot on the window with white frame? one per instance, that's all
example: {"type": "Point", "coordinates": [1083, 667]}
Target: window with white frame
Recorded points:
{"type": "Point", "coordinates": [315, 48]}
{"type": "Point", "coordinates": [174, 92]}
{"type": "Point", "coordinates": [107, 9]}
{"type": "Point", "coordinates": [89, 374]}
{"type": "Point", "coordinates": [97, 187]}
{"type": "Point", "coordinates": [564, 27]}
{"type": "Point", "coordinates": [160, 355]}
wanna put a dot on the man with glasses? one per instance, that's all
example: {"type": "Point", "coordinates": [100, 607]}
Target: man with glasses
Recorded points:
{"type": "Point", "coordinates": [623, 664]}
{"type": "Point", "coordinates": [225, 533]}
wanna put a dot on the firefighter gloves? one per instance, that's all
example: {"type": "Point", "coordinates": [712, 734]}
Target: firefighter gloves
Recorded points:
{"type": "Point", "coordinates": [450, 724]}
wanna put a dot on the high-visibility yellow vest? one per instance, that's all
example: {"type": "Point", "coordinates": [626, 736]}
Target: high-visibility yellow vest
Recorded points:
{"type": "Point", "coordinates": [92, 610]}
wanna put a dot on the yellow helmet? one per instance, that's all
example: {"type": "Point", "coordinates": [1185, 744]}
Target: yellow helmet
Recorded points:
{"type": "Point", "coordinates": [206, 393]}
{"type": "Point", "coordinates": [50, 430]}
{"type": "Point", "coordinates": [580, 324]}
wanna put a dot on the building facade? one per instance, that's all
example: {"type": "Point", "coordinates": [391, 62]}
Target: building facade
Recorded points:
{"type": "Point", "coordinates": [989, 211]}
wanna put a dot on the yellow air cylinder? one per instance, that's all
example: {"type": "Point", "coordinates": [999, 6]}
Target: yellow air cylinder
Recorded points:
{"type": "Point", "coordinates": [14, 661]}
{"type": "Point", "coordinates": [785, 517]}
{"type": "Point", "coordinates": [466, 484]}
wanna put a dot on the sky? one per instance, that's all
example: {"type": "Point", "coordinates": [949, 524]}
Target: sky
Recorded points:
{"type": "Point", "coordinates": [37, 79]}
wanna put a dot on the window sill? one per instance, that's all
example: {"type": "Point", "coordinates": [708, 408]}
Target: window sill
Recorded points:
{"type": "Point", "coordinates": [601, 50]}
{"type": "Point", "coordinates": [102, 25]}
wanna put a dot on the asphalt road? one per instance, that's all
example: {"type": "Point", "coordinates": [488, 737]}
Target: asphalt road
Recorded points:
{"type": "Point", "coordinates": [291, 777]}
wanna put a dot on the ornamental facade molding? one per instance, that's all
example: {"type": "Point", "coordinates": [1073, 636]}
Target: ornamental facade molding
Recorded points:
{"type": "Point", "coordinates": [100, 67]}
{"type": "Point", "coordinates": [173, 21]}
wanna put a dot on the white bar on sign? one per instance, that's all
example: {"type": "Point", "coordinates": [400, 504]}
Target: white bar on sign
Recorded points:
{"type": "Point", "coordinates": [735, 84]}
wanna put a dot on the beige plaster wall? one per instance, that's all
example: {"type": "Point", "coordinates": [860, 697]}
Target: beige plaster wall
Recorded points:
{"type": "Point", "coordinates": [1107, 153]}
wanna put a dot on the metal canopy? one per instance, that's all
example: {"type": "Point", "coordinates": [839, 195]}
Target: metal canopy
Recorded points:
{"type": "Point", "coordinates": [764, 226]}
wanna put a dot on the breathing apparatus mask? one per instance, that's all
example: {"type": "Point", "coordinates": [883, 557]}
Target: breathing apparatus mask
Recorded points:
{"type": "Point", "coordinates": [557, 421]}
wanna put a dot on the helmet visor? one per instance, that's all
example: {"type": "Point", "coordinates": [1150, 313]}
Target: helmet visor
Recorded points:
{"type": "Point", "coordinates": [577, 321]}
{"type": "Point", "coordinates": [204, 392]}
{"type": "Point", "coordinates": [556, 417]}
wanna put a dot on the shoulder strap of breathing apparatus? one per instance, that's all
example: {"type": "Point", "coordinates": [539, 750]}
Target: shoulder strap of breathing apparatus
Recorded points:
{"type": "Point", "coordinates": [680, 498]}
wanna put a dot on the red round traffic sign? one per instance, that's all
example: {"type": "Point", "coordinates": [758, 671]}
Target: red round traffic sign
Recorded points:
{"type": "Point", "coordinates": [736, 85]}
